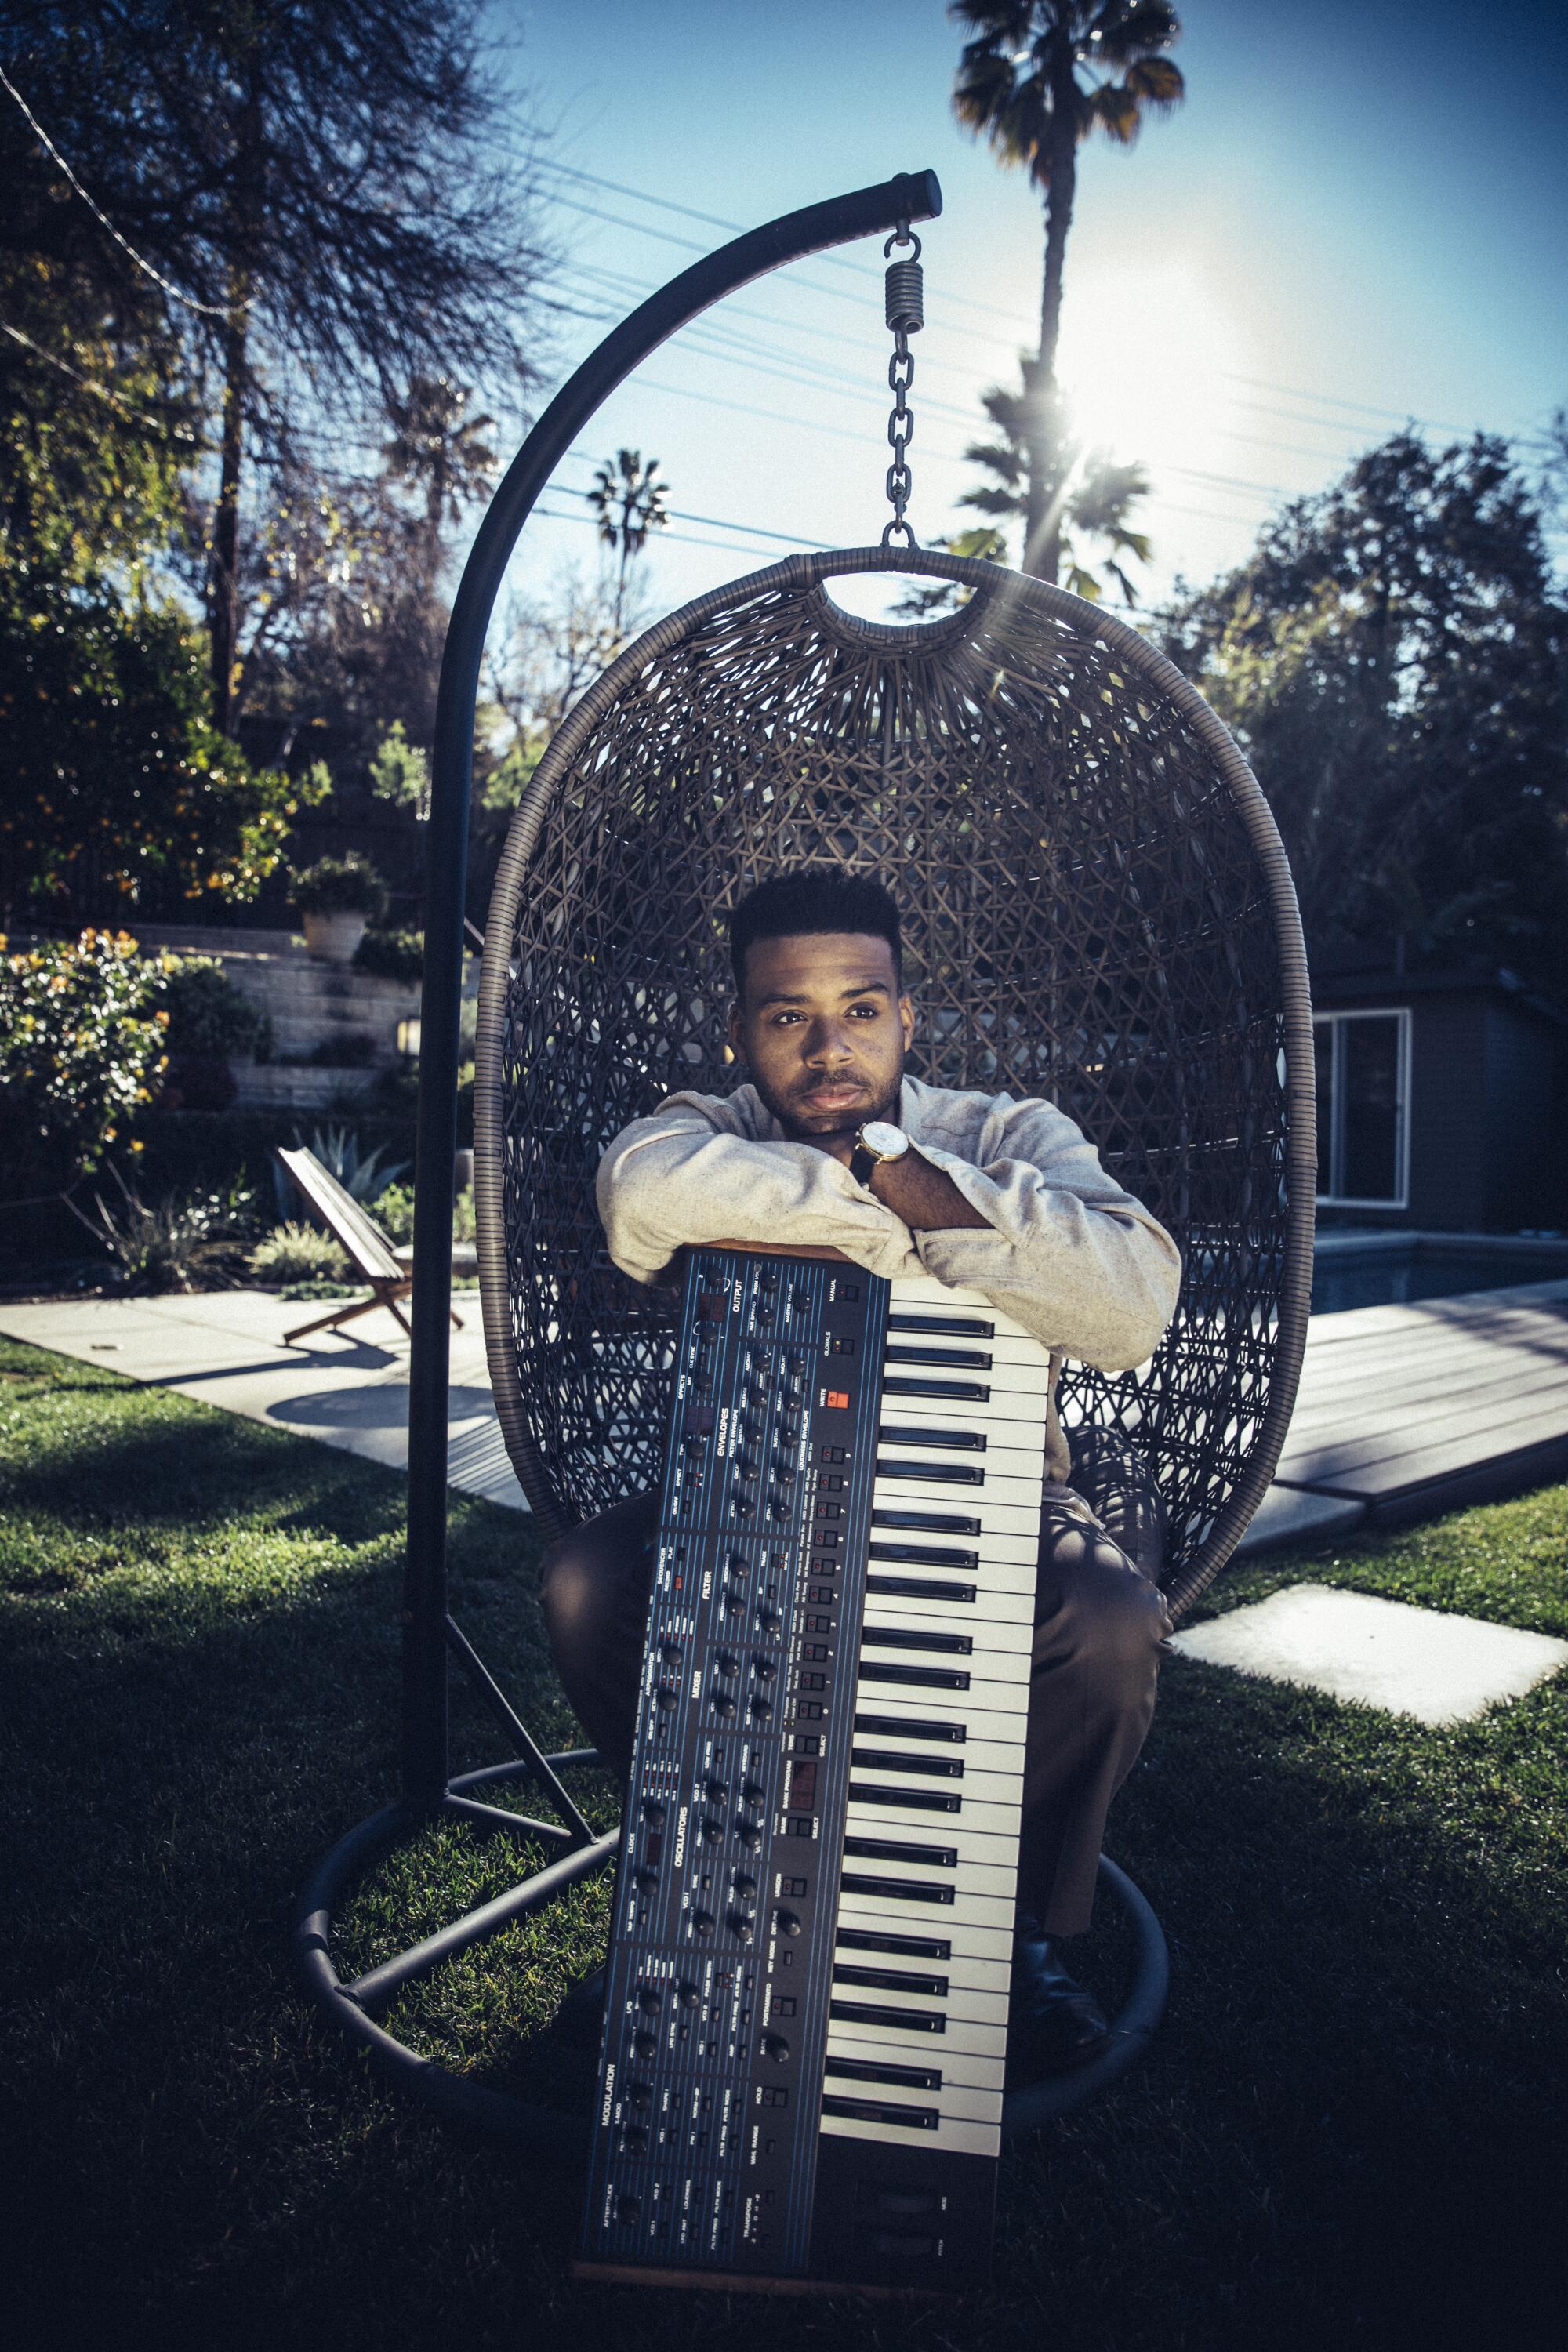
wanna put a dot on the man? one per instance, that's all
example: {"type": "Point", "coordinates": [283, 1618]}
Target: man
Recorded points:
{"type": "Point", "coordinates": [832, 1142]}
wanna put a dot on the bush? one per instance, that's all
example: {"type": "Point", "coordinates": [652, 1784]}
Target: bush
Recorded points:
{"type": "Point", "coordinates": [209, 1017]}
{"type": "Point", "coordinates": [82, 1040]}
{"type": "Point", "coordinates": [339, 885]}
{"type": "Point", "coordinates": [392, 955]}
{"type": "Point", "coordinates": [394, 1214]}
{"type": "Point", "coordinates": [175, 1242]}
{"type": "Point", "coordinates": [297, 1254]}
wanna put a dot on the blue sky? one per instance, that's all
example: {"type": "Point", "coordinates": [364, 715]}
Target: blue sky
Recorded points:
{"type": "Point", "coordinates": [1359, 216]}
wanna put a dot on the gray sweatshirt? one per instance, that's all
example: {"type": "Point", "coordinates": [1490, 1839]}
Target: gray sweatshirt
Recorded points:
{"type": "Point", "coordinates": [1064, 1250]}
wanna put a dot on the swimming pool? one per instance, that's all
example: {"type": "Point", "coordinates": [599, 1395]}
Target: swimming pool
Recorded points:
{"type": "Point", "coordinates": [1398, 1269]}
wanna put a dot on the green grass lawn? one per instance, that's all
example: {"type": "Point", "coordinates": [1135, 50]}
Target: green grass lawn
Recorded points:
{"type": "Point", "coordinates": [1350, 2131]}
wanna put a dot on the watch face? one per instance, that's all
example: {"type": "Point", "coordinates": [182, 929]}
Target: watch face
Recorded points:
{"type": "Point", "coordinates": [888, 1142]}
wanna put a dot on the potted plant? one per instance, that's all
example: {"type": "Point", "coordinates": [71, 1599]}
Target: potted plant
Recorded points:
{"type": "Point", "coordinates": [336, 897]}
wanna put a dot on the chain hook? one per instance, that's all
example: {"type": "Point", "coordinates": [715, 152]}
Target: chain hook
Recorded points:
{"type": "Point", "coordinates": [905, 313]}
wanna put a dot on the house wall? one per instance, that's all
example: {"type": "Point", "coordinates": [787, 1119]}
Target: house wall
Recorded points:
{"type": "Point", "coordinates": [1450, 1154]}
{"type": "Point", "coordinates": [1525, 1182]}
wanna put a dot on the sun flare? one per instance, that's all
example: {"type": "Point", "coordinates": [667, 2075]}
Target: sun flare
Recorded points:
{"type": "Point", "coordinates": [1143, 358]}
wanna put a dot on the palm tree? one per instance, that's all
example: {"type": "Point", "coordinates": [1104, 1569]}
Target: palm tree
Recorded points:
{"type": "Point", "coordinates": [436, 445]}
{"type": "Point", "coordinates": [1018, 82]}
{"type": "Point", "coordinates": [629, 502]}
{"type": "Point", "coordinates": [1095, 497]}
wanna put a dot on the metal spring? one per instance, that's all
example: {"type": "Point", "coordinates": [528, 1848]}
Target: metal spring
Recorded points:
{"type": "Point", "coordinates": [906, 296]}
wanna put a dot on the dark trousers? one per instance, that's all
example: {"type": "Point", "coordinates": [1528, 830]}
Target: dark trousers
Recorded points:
{"type": "Point", "coordinates": [1099, 1625]}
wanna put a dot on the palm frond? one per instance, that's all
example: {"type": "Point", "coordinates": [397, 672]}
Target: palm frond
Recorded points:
{"type": "Point", "coordinates": [1155, 81]}
{"type": "Point", "coordinates": [1115, 110]}
{"type": "Point", "coordinates": [1004, 459]}
{"type": "Point", "coordinates": [986, 500]}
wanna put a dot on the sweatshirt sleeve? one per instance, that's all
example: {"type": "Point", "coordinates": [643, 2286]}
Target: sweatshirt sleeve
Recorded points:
{"type": "Point", "coordinates": [683, 1176]}
{"type": "Point", "coordinates": [1064, 1250]}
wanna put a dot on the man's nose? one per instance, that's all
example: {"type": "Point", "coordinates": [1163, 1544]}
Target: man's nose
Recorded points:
{"type": "Point", "coordinates": [826, 1045]}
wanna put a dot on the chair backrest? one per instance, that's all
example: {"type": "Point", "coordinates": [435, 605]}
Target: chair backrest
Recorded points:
{"type": "Point", "coordinates": [1097, 911]}
{"type": "Point", "coordinates": [349, 1221]}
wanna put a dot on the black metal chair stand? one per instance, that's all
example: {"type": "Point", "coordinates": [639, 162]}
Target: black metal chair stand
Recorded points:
{"type": "Point", "coordinates": [1099, 909]}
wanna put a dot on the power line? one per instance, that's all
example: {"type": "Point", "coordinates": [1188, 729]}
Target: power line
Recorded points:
{"type": "Point", "coordinates": [207, 309]}
{"type": "Point", "coordinates": [964, 302]}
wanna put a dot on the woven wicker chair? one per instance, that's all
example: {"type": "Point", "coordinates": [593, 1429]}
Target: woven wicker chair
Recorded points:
{"type": "Point", "coordinates": [1097, 908]}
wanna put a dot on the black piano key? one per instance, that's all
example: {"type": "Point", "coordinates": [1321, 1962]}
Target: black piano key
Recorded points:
{"type": "Point", "coordinates": [912, 1947]}
{"type": "Point", "coordinates": [920, 1588]}
{"type": "Point", "coordinates": [888, 1760]}
{"type": "Point", "coordinates": [931, 1523]}
{"type": "Point", "coordinates": [967, 1359]}
{"type": "Point", "coordinates": [913, 1727]}
{"type": "Point", "coordinates": [956, 1392]}
{"type": "Point", "coordinates": [952, 1474]}
{"type": "Point", "coordinates": [955, 1326]}
{"type": "Point", "coordinates": [906, 1637]}
{"type": "Point", "coordinates": [875, 2069]}
{"type": "Point", "coordinates": [956, 1441]}
{"type": "Point", "coordinates": [866, 2111]}
{"type": "Point", "coordinates": [914, 1800]}
{"type": "Point", "coordinates": [934, 1858]}
{"type": "Point", "coordinates": [890, 1980]}
{"type": "Point", "coordinates": [875, 2012]}
{"type": "Point", "coordinates": [924, 1554]}
{"type": "Point", "coordinates": [899, 1890]}
{"type": "Point", "coordinates": [928, 1677]}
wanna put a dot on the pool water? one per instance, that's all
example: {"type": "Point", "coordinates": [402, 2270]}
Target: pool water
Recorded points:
{"type": "Point", "coordinates": [1408, 1271]}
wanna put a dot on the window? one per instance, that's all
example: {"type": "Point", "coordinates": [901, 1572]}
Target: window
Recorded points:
{"type": "Point", "coordinates": [1363, 1109]}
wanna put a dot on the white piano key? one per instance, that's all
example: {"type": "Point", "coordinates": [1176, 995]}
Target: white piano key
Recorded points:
{"type": "Point", "coordinates": [899, 2044]}
{"type": "Point", "coordinates": [983, 1712]}
{"type": "Point", "coordinates": [864, 1812]}
{"type": "Point", "coordinates": [974, 1873]}
{"type": "Point", "coordinates": [988, 1600]}
{"type": "Point", "coordinates": [969, 1976]}
{"type": "Point", "coordinates": [1005, 1432]}
{"type": "Point", "coordinates": [955, 2132]}
{"type": "Point", "coordinates": [968, 1941]}
{"type": "Point", "coordinates": [1015, 1495]}
{"type": "Point", "coordinates": [977, 2070]}
{"type": "Point", "coordinates": [973, 2102]}
{"type": "Point", "coordinates": [978, 1514]}
{"type": "Point", "coordinates": [994, 1628]}
{"type": "Point", "coordinates": [902, 1914]}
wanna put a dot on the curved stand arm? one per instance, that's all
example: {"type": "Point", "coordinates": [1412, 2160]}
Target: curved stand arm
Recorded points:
{"type": "Point", "coordinates": [911, 196]}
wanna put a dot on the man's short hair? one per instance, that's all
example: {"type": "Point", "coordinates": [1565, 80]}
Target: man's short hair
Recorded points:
{"type": "Point", "coordinates": [813, 898]}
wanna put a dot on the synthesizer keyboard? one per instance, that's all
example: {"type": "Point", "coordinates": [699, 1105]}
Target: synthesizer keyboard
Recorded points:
{"type": "Point", "coordinates": [806, 2002]}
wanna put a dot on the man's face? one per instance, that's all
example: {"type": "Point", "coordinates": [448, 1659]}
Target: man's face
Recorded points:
{"type": "Point", "coordinates": [823, 1030]}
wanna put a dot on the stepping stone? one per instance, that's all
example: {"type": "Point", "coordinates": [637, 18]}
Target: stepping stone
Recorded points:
{"type": "Point", "coordinates": [1440, 1669]}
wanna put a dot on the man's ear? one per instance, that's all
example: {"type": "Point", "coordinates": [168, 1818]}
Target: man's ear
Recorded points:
{"type": "Point", "coordinates": [737, 1048]}
{"type": "Point", "coordinates": [906, 1020]}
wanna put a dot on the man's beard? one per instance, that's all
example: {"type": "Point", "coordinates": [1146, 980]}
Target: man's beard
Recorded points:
{"type": "Point", "coordinates": [802, 1124]}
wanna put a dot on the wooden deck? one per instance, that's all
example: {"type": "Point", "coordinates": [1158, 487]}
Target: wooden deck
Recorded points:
{"type": "Point", "coordinates": [1413, 1410]}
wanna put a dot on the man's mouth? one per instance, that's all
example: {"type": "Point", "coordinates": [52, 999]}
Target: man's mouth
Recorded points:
{"type": "Point", "coordinates": [834, 1095]}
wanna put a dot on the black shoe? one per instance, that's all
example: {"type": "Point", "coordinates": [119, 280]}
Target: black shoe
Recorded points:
{"type": "Point", "coordinates": [581, 2015]}
{"type": "Point", "coordinates": [1054, 2026]}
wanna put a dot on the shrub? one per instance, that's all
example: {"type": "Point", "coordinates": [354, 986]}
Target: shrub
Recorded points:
{"type": "Point", "coordinates": [360, 1172]}
{"type": "Point", "coordinates": [297, 1254]}
{"type": "Point", "coordinates": [175, 1242]}
{"type": "Point", "coordinates": [339, 885]}
{"type": "Point", "coordinates": [392, 955]}
{"type": "Point", "coordinates": [394, 1214]}
{"type": "Point", "coordinates": [82, 1041]}
{"type": "Point", "coordinates": [208, 1016]}
{"type": "Point", "coordinates": [351, 1049]}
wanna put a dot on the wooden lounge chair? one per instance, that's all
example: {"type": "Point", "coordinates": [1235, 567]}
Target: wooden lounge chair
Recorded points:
{"type": "Point", "coordinates": [389, 1273]}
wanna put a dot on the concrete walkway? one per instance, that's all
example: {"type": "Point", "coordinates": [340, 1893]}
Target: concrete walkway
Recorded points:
{"type": "Point", "coordinates": [225, 1348]}
{"type": "Point", "coordinates": [1403, 1412]}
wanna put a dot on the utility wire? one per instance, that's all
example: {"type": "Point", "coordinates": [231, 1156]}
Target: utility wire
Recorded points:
{"type": "Point", "coordinates": [207, 309]}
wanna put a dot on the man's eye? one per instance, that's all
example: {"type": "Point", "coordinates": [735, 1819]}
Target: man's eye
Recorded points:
{"type": "Point", "coordinates": [869, 1012]}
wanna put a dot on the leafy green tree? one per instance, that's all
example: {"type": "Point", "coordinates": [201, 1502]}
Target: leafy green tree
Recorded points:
{"type": "Point", "coordinates": [318, 194]}
{"type": "Point", "coordinates": [1038, 79]}
{"type": "Point", "coordinates": [1393, 660]}
{"type": "Point", "coordinates": [81, 1050]}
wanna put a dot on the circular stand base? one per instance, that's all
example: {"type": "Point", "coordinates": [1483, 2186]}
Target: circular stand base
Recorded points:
{"type": "Point", "coordinates": [499, 2114]}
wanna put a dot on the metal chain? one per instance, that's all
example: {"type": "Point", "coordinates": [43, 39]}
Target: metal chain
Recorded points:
{"type": "Point", "coordinates": [906, 316]}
